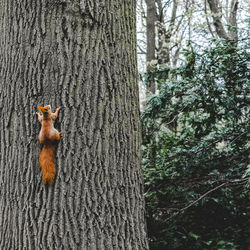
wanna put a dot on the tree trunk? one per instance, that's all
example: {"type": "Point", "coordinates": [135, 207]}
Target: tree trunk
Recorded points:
{"type": "Point", "coordinates": [233, 21]}
{"type": "Point", "coordinates": [80, 55]}
{"type": "Point", "coordinates": [164, 36]}
{"type": "Point", "coordinates": [232, 35]}
{"type": "Point", "coordinates": [150, 56]}
{"type": "Point", "coordinates": [217, 15]}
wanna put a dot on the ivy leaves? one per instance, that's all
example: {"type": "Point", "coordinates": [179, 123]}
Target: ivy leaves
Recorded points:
{"type": "Point", "coordinates": [195, 139]}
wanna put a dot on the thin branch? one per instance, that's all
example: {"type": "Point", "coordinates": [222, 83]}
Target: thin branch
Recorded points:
{"type": "Point", "coordinates": [201, 197]}
{"type": "Point", "coordinates": [140, 49]}
{"type": "Point", "coordinates": [237, 137]}
{"type": "Point", "coordinates": [195, 201]}
{"type": "Point", "coordinates": [160, 8]}
{"type": "Point", "coordinates": [212, 143]}
{"type": "Point", "coordinates": [230, 182]}
{"type": "Point", "coordinates": [208, 23]}
{"type": "Point", "coordinates": [239, 181]}
{"type": "Point", "coordinates": [179, 23]}
{"type": "Point", "coordinates": [179, 111]}
{"type": "Point", "coordinates": [177, 52]}
{"type": "Point", "coordinates": [218, 140]}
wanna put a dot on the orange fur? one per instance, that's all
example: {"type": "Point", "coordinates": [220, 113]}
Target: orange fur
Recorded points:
{"type": "Point", "coordinates": [47, 157]}
{"type": "Point", "coordinates": [48, 137]}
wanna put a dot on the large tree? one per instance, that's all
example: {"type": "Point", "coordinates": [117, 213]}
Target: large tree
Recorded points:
{"type": "Point", "coordinates": [80, 55]}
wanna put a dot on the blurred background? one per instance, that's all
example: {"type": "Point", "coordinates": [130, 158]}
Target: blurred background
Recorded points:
{"type": "Point", "coordinates": [194, 73]}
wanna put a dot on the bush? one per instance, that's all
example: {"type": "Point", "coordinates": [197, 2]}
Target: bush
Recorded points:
{"type": "Point", "coordinates": [196, 152]}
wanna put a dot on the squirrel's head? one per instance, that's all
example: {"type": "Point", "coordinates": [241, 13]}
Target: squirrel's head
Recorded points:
{"type": "Point", "coordinates": [45, 109]}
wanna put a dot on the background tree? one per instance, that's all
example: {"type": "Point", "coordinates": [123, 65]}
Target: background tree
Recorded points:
{"type": "Point", "coordinates": [196, 151]}
{"type": "Point", "coordinates": [157, 37]}
{"type": "Point", "coordinates": [151, 19]}
{"type": "Point", "coordinates": [165, 27]}
{"type": "Point", "coordinates": [80, 55]}
{"type": "Point", "coordinates": [172, 23]}
{"type": "Point", "coordinates": [195, 126]}
{"type": "Point", "coordinates": [230, 19]}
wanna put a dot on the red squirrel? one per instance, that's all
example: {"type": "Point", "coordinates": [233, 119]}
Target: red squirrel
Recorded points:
{"type": "Point", "coordinates": [48, 136]}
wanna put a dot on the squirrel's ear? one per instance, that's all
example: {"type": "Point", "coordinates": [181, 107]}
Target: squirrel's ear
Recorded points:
{"type": "Point", "coordinates": [40, 108]}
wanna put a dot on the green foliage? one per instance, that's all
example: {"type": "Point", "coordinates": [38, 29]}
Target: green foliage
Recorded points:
{"type": "Point", "coordinates": [196, 152]}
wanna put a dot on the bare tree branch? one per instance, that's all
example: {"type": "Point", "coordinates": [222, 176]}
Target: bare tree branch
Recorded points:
{"type": "Point", "coordinates": [160, 10]}
{"type": "Point", "coordinates": [179, 23]}
{"type": "Point", "coordinates": [202, 196]}
{"type": "Point", "coordinates": [229, 182]}
{"type": "Point", "coordinates": [208, 23]}
{"type": "Point", "coordinates": [142, 51]}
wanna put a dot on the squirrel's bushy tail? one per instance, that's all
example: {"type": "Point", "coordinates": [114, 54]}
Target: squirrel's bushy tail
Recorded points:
{"type": "Point", "coordinates": [47, 158]}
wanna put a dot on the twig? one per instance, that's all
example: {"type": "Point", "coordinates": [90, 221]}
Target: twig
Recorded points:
{"type": "Point", "coordinates": [201, 197]}
{"type": "Point", "coordinates": [237, 137]}
{"type": "Point", "coordinates": [208, 24]}
{"type": "Point", "coordinates": [232, 182]}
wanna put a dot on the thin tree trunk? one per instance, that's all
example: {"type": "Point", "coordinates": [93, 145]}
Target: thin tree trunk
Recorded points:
{"type": "Point", "coordinates": [164, 36]}
{"type": "Point", "coordinates": [80, 56]}
{"type": "Point", "coordinates": [214, 7]}
{"type": "Point", "coordinates": [150, 56]}
{"type": "Point", "coordinates": [233, 20]}
{"type": "Point", "coordinates": [232, 35]}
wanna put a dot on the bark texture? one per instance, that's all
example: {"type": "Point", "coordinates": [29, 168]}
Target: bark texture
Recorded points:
{"type": "Point", "coordinates": [80, 55]}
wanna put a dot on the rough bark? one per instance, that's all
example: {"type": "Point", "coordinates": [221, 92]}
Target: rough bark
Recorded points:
{"type": "Point", "coordinates": [150, 32]}
{"type": "Point", "coordinates": [80, 55]}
